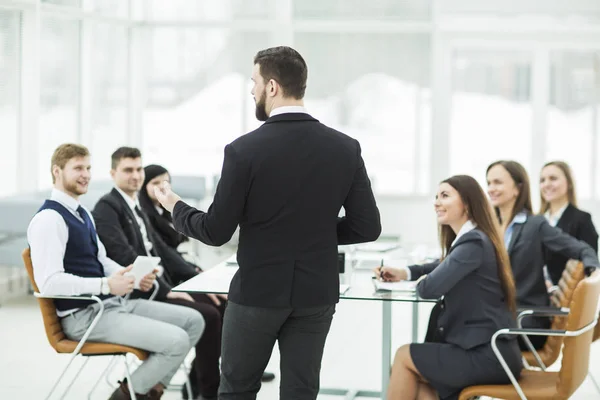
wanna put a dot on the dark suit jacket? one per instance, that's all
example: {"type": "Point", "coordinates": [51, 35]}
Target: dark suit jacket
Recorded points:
{"type": "Point", "coordinates": [473, 308]}
{"type": "Point", "coordinates": [119, 231]}
{"type": "Point", "coordinates": [578, 224]}
{"type": "Point", "coordinates": [526, 249]}
{"type": "Point", "coordinates": [285, 184]}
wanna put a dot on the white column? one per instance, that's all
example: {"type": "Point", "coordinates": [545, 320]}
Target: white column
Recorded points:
{"type": "Point", "coordinates": [28, 144]}
{"type": "Point", "coordinates": [441, 104]}
{"type": "Point", "coordinates": [136, 80]}
{"type": "Point", "coordinates": [85, 114]}
{"type": "Point", "coordinates": [540, 91]}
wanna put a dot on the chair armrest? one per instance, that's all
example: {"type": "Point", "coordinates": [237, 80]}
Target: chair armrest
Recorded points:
{"type": "Point", "coordinates": [83, 297]}
{"type": "Point", "coordinates": [155, 291]}
{"type": "Point", "coordinates": [536, 332]}
{"type": "Point", "coordinates": [94, 321]}
{"type": "Point", "coordinates": [542, 311]}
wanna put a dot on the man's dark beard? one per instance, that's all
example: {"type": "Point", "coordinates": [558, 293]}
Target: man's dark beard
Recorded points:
{"type": "Point", "coordinates": [261, 112]}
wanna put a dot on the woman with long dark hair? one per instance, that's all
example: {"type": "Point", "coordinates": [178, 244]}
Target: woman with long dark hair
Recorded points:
{"type": "Point", "coordinates": [161, 219]}
{"type": "Point", "coordinates": [475, 280]}
{"type": "Point", "coordinates": [527, 238]}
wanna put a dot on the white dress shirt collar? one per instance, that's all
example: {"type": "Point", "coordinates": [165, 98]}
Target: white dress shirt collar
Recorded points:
{"type": "Point", "coordinates": [467, 227]}
{"type": "Point", "coordinates": [287, 110]}
{"type": "Point", "coordinates": [64, 199]}
{"type": "Point", "coordinates": [553, 219]}
{"type": "Point", "coordinates": [130, 202]}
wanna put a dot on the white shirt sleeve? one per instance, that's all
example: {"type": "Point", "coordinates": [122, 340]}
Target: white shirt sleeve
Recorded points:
{"type": "Point", "coordinates": [408, 274]}
{"type": "Point", "coordinates": [48, 235]}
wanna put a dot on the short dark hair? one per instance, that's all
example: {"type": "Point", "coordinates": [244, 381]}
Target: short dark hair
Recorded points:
{"type": "Point", "coordinates": [286, 66]}
{"type": "Point", "coordinates": [124, 152]}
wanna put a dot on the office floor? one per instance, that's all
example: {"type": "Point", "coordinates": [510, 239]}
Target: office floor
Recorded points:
{"type": "Point", "coordinates": [28, 366]}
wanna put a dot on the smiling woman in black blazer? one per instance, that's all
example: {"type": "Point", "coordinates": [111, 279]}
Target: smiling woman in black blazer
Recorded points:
{"type": "Point", "coordinates": [475, 279]}
{"type": "Point", "coordinates": [559, 206]}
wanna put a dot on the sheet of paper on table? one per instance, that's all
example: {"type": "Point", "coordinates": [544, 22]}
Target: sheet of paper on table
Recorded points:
{"type": "Point", "coordinates": [403, 286]}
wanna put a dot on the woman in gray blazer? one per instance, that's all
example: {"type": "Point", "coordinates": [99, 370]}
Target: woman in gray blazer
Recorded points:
{"type": "Point", "coordinates": [476, 283]}
{"type": "Point", "coordinates": [528, 238]}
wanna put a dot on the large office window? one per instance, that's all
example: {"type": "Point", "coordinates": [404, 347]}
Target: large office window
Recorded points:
{"type": "Point", "coordinates": [10, 32]}
{"type": "Point", "coordinates": [59, 89]}
{"type": "Point", "coordinates": [363, 85]}
{"type": "Point", "coordinates": [199, 10]}
{"type": "Point", "coordinates": [69, 3]}
{"type": "Point", "coordinates": [112, 8]}
{"type": "Point", "coordinates": [359, 9]}
{"type": "Point", "coordinates": [491, 111]}
{"type": "Point", "coordinates": [573, 113]}
{"type": "Point", "coordinates": [108, 77]}
{"type": "Point", "coordinates": [198, 95]}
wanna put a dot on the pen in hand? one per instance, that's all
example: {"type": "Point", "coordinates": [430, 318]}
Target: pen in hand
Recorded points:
{"type": "Point", "coordinates": [381, 270]}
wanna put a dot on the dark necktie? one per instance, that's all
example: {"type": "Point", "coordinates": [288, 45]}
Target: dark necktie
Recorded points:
{"type": "Point", "coordinates": [146, 225]}
{"type": "Point", "coordinates": [142, 216]}
{"type": "Point", "coordinates": [88, 222]}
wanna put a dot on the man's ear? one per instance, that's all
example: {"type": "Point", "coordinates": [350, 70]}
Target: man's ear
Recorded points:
{"type": "Point", "coordinates": [112, 173]}
{"type": "Point", "coordinates": [273, 88]}
{"type": "Point", "coordinates": [55, 172]}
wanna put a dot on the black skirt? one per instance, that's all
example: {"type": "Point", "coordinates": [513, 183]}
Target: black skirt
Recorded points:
{"type": "Point", "coordinates": [449, 368]}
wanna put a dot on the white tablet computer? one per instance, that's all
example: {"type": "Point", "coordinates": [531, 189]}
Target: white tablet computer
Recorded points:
{"type": "Point", "coordinates": [142, 266]}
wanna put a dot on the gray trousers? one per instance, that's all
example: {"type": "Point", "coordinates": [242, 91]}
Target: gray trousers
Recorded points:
{"type": "Point", "coordinates": [249, 334]}
{"type": "Point", "coordinates": [167, 331]}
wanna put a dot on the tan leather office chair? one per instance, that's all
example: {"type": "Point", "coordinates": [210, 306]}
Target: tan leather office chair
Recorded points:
{"type": "Point", "coordinates": [560, 298]}
{"type": "Point", "coordinates": [596, 337]}
{"type": "Point", "coordinates": [59, 341]}
{"type": "Point", "coordinates": [578, 332]}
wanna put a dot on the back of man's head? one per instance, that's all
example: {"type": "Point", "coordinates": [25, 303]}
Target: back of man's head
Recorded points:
{"type": "Point", "coordinates": [286, 66]}
{"type": "Point", "coordinates": [124, 152]}
{"type": "Point", "coordinates": [64, 153]}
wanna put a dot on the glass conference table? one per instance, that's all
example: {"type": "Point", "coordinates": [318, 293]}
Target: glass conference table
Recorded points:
{"type": "Point", "coordinates": [361, 288]}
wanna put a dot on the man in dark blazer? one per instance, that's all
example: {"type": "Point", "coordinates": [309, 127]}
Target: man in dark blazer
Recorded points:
{"type": "Point", "coordinates": [284, 184]}
{"type": "Point", "coordinates": [127, 234]}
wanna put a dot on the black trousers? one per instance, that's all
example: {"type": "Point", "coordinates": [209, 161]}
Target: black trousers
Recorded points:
{"type": "Point", "coordinates": [249, 334]}
{"type": "Point", "coordinates": [204, 375]}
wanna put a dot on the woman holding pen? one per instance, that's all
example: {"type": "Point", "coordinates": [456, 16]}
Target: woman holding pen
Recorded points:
{"type": "Point", "coordinates": [475, 279]}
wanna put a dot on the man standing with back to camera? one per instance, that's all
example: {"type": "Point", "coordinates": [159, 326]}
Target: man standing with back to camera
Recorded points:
{"type": "Point", "coordinates": [284, 184]}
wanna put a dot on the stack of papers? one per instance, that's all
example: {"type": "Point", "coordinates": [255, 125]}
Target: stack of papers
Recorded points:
{"type": "Point", "coordinates": [403, 286]}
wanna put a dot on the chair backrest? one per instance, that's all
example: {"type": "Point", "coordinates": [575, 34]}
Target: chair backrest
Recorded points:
{"type": "Point", "coordinates": [571, 276]}
{"type": "Point", "coordinates": [54, 330]}
{"type": "Point", "coordinates": [576, 351]}
{"type": "Point", "coordinates": [573, 273]}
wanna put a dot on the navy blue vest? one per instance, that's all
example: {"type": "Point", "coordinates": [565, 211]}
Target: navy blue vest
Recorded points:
{"type": "Point", "coordinates": [81, 255]}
